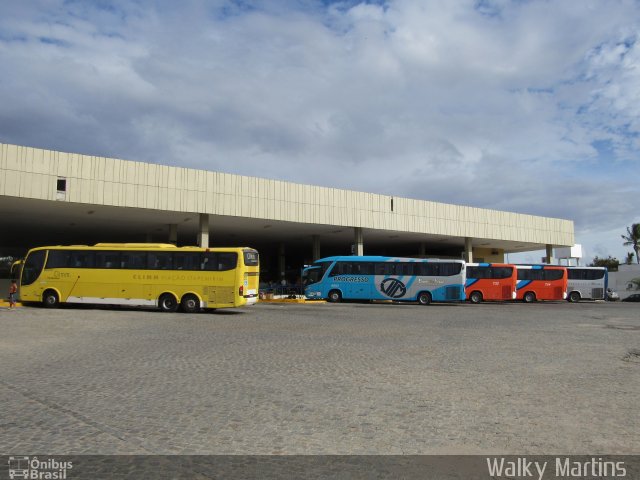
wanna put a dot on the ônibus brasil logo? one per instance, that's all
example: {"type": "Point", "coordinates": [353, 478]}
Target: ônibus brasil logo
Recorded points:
{"type": "Point", "coordinates": [393, 287]}
{"type": "Point", "coordinates": [33, 468]}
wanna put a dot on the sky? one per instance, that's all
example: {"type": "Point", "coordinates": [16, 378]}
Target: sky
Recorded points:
{"type": "Point", "coordinates": [525, 106]}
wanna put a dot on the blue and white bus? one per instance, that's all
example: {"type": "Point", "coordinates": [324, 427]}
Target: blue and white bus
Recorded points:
{"type": "Point", "coordinates": [587, 283]}
{"type": "Point", "coordinates": [385, 278]}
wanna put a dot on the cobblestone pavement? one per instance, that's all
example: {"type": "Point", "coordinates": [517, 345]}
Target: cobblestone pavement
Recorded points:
{"type": "Point", "coordinates": [322, 379]}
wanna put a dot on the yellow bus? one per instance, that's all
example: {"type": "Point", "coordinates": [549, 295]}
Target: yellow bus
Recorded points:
{"type": "Point", "coordinates": [141, 274]}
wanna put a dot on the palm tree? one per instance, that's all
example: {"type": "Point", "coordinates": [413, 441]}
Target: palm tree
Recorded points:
{"type": "Point", "coordinates": [632, 238]}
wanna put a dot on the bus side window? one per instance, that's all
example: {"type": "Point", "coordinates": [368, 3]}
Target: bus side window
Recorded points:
{"type": "Point", "coordinates": [448, 269]}
{"type": "Point", "coordinates": [550, 275]}
{"type": "Point", "coordinates": [365, 268]}
{"type": "Point", "coordinates": [82, 259]}
{"type": "Point", "coordinates": [482, 272]}
{"type": "Point", "coordinates": [595, 274]}
{"type": "Point", "coordinates": [58, 259]}
{"type": "Point", "coordinates": [337, 269]}
{"type": "Point", "coordinates": [227, 261]}
{"type": "Point", "coordinates": [134, 260]}
{"type": "Point", "coordinates": [186, 261]}
{"type": "Point", "coordinates": [106, 259]}
{"type": "Point", "coordinates": [209, 261]}
{"type": "Point", "coordinates": [163, 261]}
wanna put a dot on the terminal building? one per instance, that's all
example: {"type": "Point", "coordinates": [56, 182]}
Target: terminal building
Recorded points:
{"type": "Point", "coordinates": [57, 198]}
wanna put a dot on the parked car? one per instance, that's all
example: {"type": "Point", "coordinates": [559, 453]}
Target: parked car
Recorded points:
{"type": "Point", "coordinates": [632, 298]}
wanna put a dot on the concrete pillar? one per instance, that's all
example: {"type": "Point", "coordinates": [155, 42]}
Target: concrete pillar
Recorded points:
{"type": "Point", "coordinates": [315, 253]}
{"type": "Point", "coordinates": [203, 231]}
{"type": "Point", "coordinates": [173, 233]}
{"type": "Point", "coordinates": [468, 249]}
{"type": "Point", "coordinates": [358, 241]}
{"type": "Point", "coordinates": [281, 261]}
{"type": "Point", "coordinates": [549, 256]}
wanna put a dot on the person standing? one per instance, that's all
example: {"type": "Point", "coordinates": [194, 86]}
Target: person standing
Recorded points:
{"type": "Point", "coordinates": [13, 292]}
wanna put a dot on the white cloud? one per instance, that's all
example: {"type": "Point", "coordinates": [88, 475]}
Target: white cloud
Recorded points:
{"type": "Point", "coordinates": [526, 106]}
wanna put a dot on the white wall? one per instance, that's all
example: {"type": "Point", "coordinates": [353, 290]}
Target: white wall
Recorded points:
{"type": "Point", "coordinates": [620, 281]}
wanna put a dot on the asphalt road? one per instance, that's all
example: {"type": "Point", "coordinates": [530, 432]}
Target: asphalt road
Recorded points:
{"type": "Point", "coordinates": [323, 379]}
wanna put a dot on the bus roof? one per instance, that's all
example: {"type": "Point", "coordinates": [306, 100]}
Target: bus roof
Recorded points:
{"type": "Point", "coordinates": [492, 264]}
{"type": "Point", "coordinates": [138, 246]}
{"type": "Point", "coordinates": [539, 266]}
{"type": "Point", "coordinates": [379, 258]}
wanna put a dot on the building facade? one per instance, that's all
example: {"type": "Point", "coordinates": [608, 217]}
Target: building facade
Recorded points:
{"type": "Point", "coordinates": [54, 197]}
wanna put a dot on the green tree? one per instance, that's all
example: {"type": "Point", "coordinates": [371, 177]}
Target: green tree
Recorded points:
{"type": "Point", "coordinates": [629, 259]}
{"type": "Point", "coordinates": [632, 238]}
{"type": "Point", "coordinates": [611, 263]}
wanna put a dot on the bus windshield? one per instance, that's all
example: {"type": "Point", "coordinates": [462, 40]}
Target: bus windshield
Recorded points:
{"type": "Point", "coordinates": [311, 275]}
{"type": "Point", "coordinates": [32, 267]}
{"type": "Point", "coordinates": [314, 273]}
{"type": "Point", "coordinates": [16, 268]}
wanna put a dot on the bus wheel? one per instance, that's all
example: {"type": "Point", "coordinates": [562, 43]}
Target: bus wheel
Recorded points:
{"type": "Point", "coordinates": [574, 297]}
{"type": "Point", "coordinates": [50, 299]}
{"type": "Point", "coordinates": [168, 303]}
{"type": "Point", "coordinates": [475, 297]}
{"type": "Point", "coordinates": [335, 296]}
{"type": "Point", "coordinates": [529, 297]}
{"type": "Point", "coordinates": [190, 304]}
{"type": "Point", "coordinates": [424, 298]}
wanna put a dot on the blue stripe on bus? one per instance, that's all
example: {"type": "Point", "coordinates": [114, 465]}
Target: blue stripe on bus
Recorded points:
{"type": "Point", "coordinates": [522, 284]}
{"type": "Point", "coordinates": [470, 281]}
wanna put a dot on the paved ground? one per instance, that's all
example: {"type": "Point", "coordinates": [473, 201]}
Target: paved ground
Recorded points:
{"type": "Point", "coordinates": [347, 379]}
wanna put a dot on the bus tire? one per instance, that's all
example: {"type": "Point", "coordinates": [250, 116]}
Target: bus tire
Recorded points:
{"type": "Point", "coordinates": [167, 303]}
{"type": "Point", "coordinates": [574, 297]}
{"type": "Point", "coordinates": [335, 296]}
{"type": "Point", "coordinates": [529, 297]}
{"type": "Point", "coordinates": [50, 299]}
{"type": "Point", "coordinates": [190, 303]}
{"type": "Point", "coordinates": [424, 298]}
{"type": "Point", "coordinates": [475, 297]}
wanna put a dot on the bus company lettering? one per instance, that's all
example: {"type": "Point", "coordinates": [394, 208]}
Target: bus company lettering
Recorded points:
{"type": "Point", "coordinates": [172, 277]}
{"type": "Point", "coordinates": [393, 287]}
{"type": "Point", "coordinates": [143, 276]}
{"type": "Point", "coordinates": [351, 279]}
{"type": "Point", "coordinates": [431, 281]}
{"type": "Point", "coordinates": [57, 274]}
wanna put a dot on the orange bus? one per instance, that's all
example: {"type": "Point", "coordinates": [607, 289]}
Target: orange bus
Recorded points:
{"type": "Point", "coordinates": [490, 281]}
{"type": "Point", "coordinates": [541, 282]}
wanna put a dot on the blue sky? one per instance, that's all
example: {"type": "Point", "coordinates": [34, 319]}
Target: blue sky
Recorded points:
{"type": "Point", "coordinates": [526, 106]}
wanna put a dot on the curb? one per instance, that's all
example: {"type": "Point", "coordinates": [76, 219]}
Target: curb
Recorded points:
{"type": "Point", "coordinates": [4, 303]}
{"type": "Point", "coordinates": [290, 300]}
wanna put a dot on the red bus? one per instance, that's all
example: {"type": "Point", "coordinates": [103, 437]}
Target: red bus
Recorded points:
{"type": "Point", "coordinates": [490, 281]}
{"type": "Point", "coordinates": [541, 282]}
